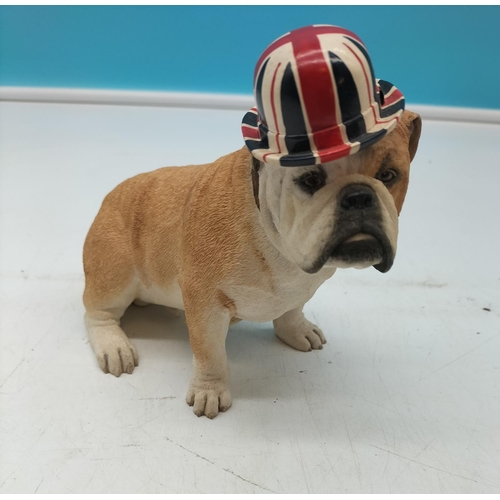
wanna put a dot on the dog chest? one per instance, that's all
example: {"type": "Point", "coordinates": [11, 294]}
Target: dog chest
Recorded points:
{"type": "Point", "coordinates": [269, 300]}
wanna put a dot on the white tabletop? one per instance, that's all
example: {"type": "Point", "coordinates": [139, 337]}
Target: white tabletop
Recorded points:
{"type": "Point", "coordinates": [403, 398]}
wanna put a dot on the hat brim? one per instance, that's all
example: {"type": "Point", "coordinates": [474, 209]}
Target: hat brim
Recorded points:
{"type": "Point", "coordinates": [390, 103]}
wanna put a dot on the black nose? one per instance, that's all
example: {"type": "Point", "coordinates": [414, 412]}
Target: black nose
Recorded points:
{"type": "Point", "coordinates": [358, 198]}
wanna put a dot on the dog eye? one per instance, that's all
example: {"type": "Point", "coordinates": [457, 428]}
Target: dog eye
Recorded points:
{"type": "Point", "coordinates": [387, 176]}
{"type": "Point", "coordinates": [311, 182]}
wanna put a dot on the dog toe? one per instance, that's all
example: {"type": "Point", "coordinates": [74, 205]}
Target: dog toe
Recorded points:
{"type": "Point", "coordinates": [319, 333]}
{"type": "Point", "coordinates": [200, 400]}
{"type": "Point", "coordinates": [127, 360]}
{"type": "Point", "coordinates": [114, 363]}
{"type": "Point", "coordinates": [314, 339]}
{"type": "Point", "coordinates": [190, 398]}
{"type": "Point", "coordinates": [212, 405]}
{"type": "Point", "coordinates": [225, 401]}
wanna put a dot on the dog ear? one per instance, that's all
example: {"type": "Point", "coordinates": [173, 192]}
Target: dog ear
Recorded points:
{"type": "Point", "coordinates": [414, 124]}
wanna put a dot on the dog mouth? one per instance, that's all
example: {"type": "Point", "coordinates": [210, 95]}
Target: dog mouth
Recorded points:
{"type": "Point", "coordinates": [362, 247]}
{"type": "Point", "coordinates": [359, 248]}
{"type": "Point", "coordinates": [359, 236]}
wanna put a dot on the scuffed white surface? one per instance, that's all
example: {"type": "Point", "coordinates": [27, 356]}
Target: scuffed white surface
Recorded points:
{"type": "Point", "coordinates": [403, 398]}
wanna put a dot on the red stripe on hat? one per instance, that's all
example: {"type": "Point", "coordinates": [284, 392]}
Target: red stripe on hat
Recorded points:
{"type": "Point", "coordinates": [394, 96]}
{"type": "Point", "coordinates": [306, 30]}
{"type": "Point", "coordinates": [317, 92]}
{"type": "Point", "coordinates": [250, 132]}
{"type": "Point", "coordinates": [273, 105]}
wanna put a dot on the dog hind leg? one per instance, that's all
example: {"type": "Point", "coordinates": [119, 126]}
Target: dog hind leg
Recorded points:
{"type": "Point", "coordinates": [114, 351]}
{"type": "Point", "coordinates": [110, 287]}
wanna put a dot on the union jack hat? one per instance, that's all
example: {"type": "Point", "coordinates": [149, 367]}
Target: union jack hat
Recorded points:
{"type": "Point", "coordinates": [317, 99]}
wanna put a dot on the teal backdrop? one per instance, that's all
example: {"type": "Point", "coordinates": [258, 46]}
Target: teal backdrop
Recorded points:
{"type": "Point", "coordinates": [444, 55]}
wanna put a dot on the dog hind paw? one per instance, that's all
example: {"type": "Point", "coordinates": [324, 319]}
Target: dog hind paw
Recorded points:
{"type": "Point", "coordinates": [114, 352]}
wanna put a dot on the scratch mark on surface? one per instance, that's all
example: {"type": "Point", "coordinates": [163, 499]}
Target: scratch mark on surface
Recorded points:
{"type": "Point", "coordinates": [90, 480]}
{"type": "Point", "coordinates": [325, 452]}
{"type": "Point", "coordinates": [460, 357]}
{"type": "Point", "coordinates": [424, 448]}
{"type": "Point", "coordinates": [190, 451]}
{"type": "Point", "coordinates": [493, 461]}
{"type": "Point", "coordinates": [381, 406]}
{"type": "Point", "coordinates": [166, 397]}
{"type": "Point", "coordinates": [213, 463]}
{"type": "Point", "coordinates": [353, 453]}
{"type": "Point", "coordinates": [425, 465]}
{"type": "Point", "coordinates": [342, 454]}
{"type": "Point", "coordinates": [12, 372]}
{"type": "Point", "coordinates": [247, 481]}
{"type": "Point", "coordinates": [387, 444]}
{"type": "Point", "coordinates": [39, 485]}
{"type": "Point", "coordinates": [303, 469]}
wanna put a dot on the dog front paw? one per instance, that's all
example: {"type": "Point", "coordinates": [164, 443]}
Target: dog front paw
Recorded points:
{"type": "Point", "coordinates": [303, 336]}
{"type": "Point", "coordinates": [208, 397]}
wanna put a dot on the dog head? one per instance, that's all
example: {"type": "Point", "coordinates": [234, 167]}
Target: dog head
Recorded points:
{"type": "Point", "coordinates": [343, 213]}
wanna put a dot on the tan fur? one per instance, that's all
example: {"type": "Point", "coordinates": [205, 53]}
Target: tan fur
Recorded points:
{"type": "Point", "coordinates": [192, 238]}
{"type": "Point", "coordinates": [407, 132]}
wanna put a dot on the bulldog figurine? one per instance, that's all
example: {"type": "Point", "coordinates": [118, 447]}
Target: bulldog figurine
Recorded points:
{"type": "Point", "coordinates": [318, 186]}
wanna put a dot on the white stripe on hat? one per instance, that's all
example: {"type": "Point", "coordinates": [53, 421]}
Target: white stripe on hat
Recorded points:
{"type": "Point", "coordinates": [326, 42]}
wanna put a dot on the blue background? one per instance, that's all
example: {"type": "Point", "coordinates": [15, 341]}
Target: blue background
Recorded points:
{"type": "Point", "coordinates": [446, 55]}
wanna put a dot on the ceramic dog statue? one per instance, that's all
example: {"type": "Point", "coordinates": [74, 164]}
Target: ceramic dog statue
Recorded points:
{"type": "Point", "coordinates": [318, 186]}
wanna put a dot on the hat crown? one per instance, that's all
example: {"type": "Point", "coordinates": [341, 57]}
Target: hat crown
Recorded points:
{"type": "Point", "coordinates": [320, 56]}
{"type": "Point", "coordinates": [316, 93]}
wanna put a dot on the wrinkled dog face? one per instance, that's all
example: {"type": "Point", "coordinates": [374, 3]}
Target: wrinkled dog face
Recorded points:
{"type": "Point", "coordinates": [343, 213]}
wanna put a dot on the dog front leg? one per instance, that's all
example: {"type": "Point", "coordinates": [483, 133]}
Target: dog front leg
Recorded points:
{"type": "Point", "coordinates": [209, 388]}
{"type": "Point", "coordinates": [296, 331]}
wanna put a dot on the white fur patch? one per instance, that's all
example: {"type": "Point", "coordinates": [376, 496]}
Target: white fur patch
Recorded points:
{"type": "Point", "coordinates": [170, 297]}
